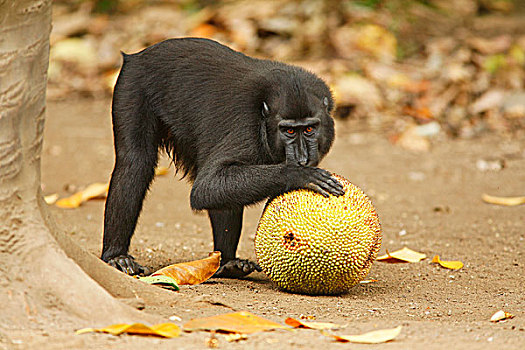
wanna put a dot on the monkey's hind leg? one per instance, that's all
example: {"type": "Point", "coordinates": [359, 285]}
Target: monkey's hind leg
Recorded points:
{"type": "Point", "coordinates": [227, 226]}
{"type": "Point", "coordinates": [136, 148]}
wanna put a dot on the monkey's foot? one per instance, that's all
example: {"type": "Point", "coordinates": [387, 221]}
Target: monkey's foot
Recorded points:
{"type": "Point", "coordinates": [237, 268]}
{"type": "Point", "coordinates": [128, 265]}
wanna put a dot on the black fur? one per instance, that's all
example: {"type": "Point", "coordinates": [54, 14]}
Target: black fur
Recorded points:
{"type": "Point", "coordinates": [223, 118]}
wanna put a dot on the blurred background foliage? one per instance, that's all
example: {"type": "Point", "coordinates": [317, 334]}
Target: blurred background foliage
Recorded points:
{"type": "Point", "coordinates": [419, 69]}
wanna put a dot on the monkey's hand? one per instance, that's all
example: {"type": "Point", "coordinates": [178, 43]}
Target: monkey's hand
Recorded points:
{"type": "Point", "coordinates": [316, 179]}
{"type": "Point", "coordinates": [236, 268]}
{"type": "Point", "coordinates": [128, 265]}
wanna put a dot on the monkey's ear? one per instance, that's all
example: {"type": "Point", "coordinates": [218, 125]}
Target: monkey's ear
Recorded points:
{"type": "Point", "coordinates": [327, 105]}
{"type": "Point", "coordinates": [265, 110]}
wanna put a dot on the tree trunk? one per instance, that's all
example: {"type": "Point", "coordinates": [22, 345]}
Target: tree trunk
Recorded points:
{"type": "Point", "coordinates": [40, 286]}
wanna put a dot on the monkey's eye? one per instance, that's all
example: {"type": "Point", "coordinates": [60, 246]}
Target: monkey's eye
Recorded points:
{"type": "Point", "coordinates": [309, 130]}
{"type": "Point", "coordinates": [290, 131]}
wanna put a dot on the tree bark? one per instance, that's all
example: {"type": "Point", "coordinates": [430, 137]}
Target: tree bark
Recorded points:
{"type": "Point", "coordinates": [40, 286]}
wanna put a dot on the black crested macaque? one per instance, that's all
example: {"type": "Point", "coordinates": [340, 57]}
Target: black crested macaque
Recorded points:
{"type": "Point", "coordinates": [242, 130]}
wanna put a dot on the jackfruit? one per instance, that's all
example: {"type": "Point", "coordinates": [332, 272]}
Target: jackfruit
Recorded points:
{"type": "Point", "coordinates": [310, 244]}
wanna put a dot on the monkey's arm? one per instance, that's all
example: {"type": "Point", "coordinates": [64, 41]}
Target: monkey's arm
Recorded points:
{"type": "Point", "coordinates": [237, 185]}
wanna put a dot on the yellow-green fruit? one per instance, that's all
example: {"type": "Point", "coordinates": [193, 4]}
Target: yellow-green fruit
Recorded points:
{"type": "Point", "coordinates": [310, 244]}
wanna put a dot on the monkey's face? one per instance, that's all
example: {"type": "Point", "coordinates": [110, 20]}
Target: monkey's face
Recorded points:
{"type": "Point", "coordinates": [300, 140]}
{"type": "Point", "coordinates": [302, 135]}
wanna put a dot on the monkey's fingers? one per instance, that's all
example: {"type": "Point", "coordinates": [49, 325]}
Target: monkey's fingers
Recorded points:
{"type": "Point", "coordinates": [316, 188]}
{"type": "Point", "coordinates": [329, 183]}
{"type": "Point", "coordinates": [128, 265]}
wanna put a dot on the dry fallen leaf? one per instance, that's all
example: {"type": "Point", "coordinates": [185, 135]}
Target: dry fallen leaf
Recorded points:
{"type": "Point", "coordinates": [509, 201]}
{"type": "Point", "coordinates": [374, 337]}
{"type": "Point", "coordinates": [238, 322]}
{"type": "Point", "coordinates": [311, 325]}
{"type": "Point", "coordinates": [95, 190]}
{"type": "Point", "coordinates": [192, 272]}
{"type": "Point", "coordinates": [500, 316]}
{"type": "Point", "coordinates": [51, 199]}
{"type": "Point", "coordinates": [166, 330]}
{"type": "Point", "coordinates": [402, 255]}
{"type": "Point", "coordinates": [453, 265]}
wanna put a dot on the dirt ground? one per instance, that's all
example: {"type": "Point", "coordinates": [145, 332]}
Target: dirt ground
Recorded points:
{"type": "Point", "coordinates": [430, 202]}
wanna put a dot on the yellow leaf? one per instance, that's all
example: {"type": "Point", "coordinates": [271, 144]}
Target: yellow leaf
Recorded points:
{"type": "Point", "coordinates": [166, 330]}
{"type": "Point", "coordinates": [73, 201]}
{"type": "Point", "coordinates": [192, 272]}
{"type": "Point", "coordinates": [509, 201]}
{"type": "Point", "coordinates": [51, 199]}
{"type": "Point", "coordinates": [500, 316]}
{"type": "Point", "coordinates": [95, 190]}
{"type": "Point", "coordinates": [402, 255]}
{"type": "Point", "coordinates": [374, 337]}
{"type": "Point", "coordinates": [161, 170]}
{"type": "Point", "coordinates": [311, 325]}
{"type": "Point", "coordinates": [238, 322]}
{"type": "Point", "coordinates": [453, 265]}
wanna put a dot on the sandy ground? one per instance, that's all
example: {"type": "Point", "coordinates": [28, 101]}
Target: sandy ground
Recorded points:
{"type": "Point", "coordinates": [430, 202]}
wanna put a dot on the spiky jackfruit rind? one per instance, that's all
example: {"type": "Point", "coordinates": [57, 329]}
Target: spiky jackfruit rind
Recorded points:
{"type": "Point", "coordinates": [310, 244]}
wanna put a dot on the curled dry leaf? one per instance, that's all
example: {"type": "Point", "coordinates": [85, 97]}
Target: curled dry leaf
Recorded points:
{"type": "Point", "coordinates": [165, 330]}
{"type": "Point", "coordinates": [192, 272]}
{"type": "Point", "coordinates": [311, 325]}
{"type": "Point", "coordinates": [509, 201]}
{"type": "Point", "coordinates": [95, 190]}
{"type": "Point", "coordinates": [237, 322]}
{"type": "Point", "coordinates": [374, 337]}
{"type": "Point", "coordinates": [402, 255]}
{"type": "Point", "coordinates": [500, 316]}
{"type": "Point", "coordinates": [453, 265]}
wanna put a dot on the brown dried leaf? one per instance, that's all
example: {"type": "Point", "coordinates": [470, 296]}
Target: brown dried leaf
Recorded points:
{"type": "Point", "coordinates": [238, 322]}
{"type": "Point", "coordinates": [95, 190]}
{"type": "Point", "coordinates": [500, 316]}
{"type": "Point", "coordinates": [311, 325]}
{"type": "Point", "coordinates": [192, 272]}
{"type": "Point", "coordinates": [166, 330]}
{"type": "Point", "coordinates": [374, 337]}
{"type": "Point", "coordinates": [402, 255]}
{"type": "Point", "coordinates": [453, 265]}
{"type": "Point", "coordinates": [508, 201]}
